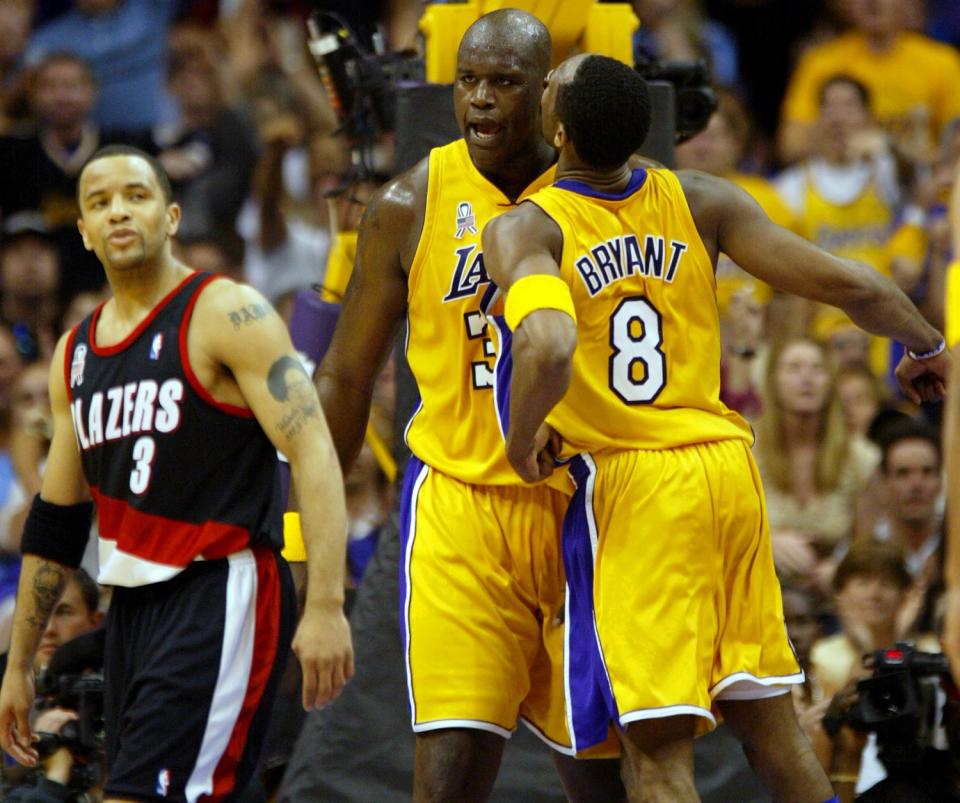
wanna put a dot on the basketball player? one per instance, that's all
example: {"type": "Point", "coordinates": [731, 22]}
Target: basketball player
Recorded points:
{"type": "Point", "coordinates": [169, 404]}
{"type": "Point", "coordinates": [482, 581]}
{"type": "Point", "coordinates": [610, 293]}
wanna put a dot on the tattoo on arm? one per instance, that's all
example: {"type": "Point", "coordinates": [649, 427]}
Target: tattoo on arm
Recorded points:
{"type": "Point", "coordinates": [248, 314]}
{"type": "Point", "coordinates": [48, 584]}
{"type": "Point", "coordinates": [288, 382]}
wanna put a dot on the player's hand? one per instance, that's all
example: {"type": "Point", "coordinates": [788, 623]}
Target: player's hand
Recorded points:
{"type": "Point", "coordinates": [951, 632]}
{"type": "Point", "coordinates": [322, 645]}
{"type": "Point", "coordinates": [537, 461]}
{"type": "Point", "coordinates": [16, 699]}
{"type": "Point", "coordinates": [924, 380]}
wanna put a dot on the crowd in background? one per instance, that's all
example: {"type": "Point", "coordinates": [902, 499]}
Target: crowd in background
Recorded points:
{"type": "Point", "coordinates": [840, 117]}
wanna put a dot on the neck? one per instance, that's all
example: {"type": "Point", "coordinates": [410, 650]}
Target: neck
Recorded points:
{"type": "Point", "coordinates": [140, 287]}
{"type": "Point", "coordinates": [880, 41]}
{"type": "Point", "coordinates": [513, 176]}
{"type": "Point", "coordinates": [610, 180]}
{"type": "Point", "coordinates": [912, 534]}
{"type": "Point", "coordinates": [801, 428]}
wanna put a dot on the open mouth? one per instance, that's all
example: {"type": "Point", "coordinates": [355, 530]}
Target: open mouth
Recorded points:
{"type": "Point", "coordinates": [485, 132]}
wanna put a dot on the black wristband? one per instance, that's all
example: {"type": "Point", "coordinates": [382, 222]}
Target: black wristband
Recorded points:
{"type": "Point", "coordinates": [57, 532]}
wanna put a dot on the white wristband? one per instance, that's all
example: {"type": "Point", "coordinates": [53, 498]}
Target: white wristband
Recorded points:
{"type": "Point", "coordinates": [941, 347]}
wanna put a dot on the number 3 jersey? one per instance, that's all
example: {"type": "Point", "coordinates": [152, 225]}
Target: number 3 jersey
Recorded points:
{"type": "Point", "coordinates": [455, 429]}
{"type": "Point", "coordinates": [646, 372]}
{"type": "Point", "coordinates": [176, 475]}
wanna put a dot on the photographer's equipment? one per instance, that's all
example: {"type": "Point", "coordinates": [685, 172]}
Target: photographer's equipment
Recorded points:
{"type": "Point", "coordinates": [694, 98]}
{"type": "Point", "coordinates": [899, 703]}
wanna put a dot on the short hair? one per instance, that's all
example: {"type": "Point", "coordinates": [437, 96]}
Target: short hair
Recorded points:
{"type": "Point", "coordinates": [858, 86]}
{"type": "Point", "coordinates": [605, 109]}
{"type": "Point", "coordinates": [907, 429]}
{"type": "Point", "coordinates": [869, 557]}
{"type": "Point", "coordinates": [89, 589]}
{"type": "Point", "coordinates": [121, 149]}
{"type": "Point", "coordinates": [66, 57]}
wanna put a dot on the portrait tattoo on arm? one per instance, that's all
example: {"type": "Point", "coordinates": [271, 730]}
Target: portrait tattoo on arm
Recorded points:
{"type": "Point", "coordinates": [248, 314]}
{"type": "Point", "coordinates": [48, 584]}
{"type": "Point", "coordinates": [289, 382]}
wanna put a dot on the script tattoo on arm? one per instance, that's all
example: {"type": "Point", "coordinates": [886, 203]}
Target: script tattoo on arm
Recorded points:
{"type": "Point", "coordinates": [48, 584]}
{"type": "Point", "coordinates": [248, 314]}
{"type": "Point", "coordinates": [288, 382]}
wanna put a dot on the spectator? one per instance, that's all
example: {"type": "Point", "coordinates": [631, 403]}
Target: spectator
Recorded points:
{"type": "Point", "coordinates": [41, 168]}
{"type": "Point", "coordinates": [29, 284]}
{"type": "Point", "coordinates": [77, 612]}
{"type": "Point", "coordinates": [209, 152]}
{"type": "Point", "coordinates": [814, 470]}
{"type": "Point", "coordinates": [14, 30]}
{"type": "Point", "coordinates": [221, 251]}
{"type": "Point", "coordinates": [676, 30]}
{"type": "Point", "coordinates": [862, 396]}
{"type": "Point", "coordinates": [124, 41]}
{"type": "Point", "coordinates": [915, 82]}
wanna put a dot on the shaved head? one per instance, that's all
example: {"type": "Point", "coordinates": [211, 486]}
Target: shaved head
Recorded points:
{"type": "Point", "coordinates": [513, 30]}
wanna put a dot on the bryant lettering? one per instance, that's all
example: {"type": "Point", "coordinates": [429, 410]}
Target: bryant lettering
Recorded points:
{"type": "Point", "coordinates": [620, 257]}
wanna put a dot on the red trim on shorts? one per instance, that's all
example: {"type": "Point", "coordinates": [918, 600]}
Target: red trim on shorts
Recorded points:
{"type": "Point", "coordinates": [165, 540]}
{"type": "Point", "coordinates": [265, 640]}
{"type": "Point", "coordinates": [202, 392]}
{"type": "Point", "coordinates": [116, 348]}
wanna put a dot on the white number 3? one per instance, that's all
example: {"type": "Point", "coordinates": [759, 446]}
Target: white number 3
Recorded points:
{"type": "Point", "coordinates": [143, 451]}
{"type": "Point", "coordinates": [638, 370]}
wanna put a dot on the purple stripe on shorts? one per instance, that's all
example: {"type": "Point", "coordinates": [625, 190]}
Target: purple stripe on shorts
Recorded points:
{"type": "Point", "coordinates": [504, 369]}
{"type": "Point", "coordinates": [591, 702]}
{"type": "Point", "coordinates": [414, 467]}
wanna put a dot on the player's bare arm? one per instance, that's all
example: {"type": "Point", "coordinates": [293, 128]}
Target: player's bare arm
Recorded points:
{"type": "Point", "coordinates": [373, 308]}
{"type": "Point", "coordinates": [951, 630]}
{"type": "Point", "coordinates": [730, 221]}
{"type": "Point", "coordinates": [41, 579]}
{"type": "Point", "coordinates": [526, 242]}
{"type": "Point", "coordinates": [242, 353]}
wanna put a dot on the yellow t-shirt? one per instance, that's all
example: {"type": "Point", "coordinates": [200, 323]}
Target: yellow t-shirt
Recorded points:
{"type": "Point", "coordinates": [455, 428]}
{"type": "Point", "coordinates": [646, 372]}
{"type": "Point", "coordinates": [916, 71]}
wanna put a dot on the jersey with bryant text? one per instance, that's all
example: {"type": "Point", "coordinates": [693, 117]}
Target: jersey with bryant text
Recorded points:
{"type": "Point", "coordinates": [176, 475]}
{"type": "Point", "coordinates": [455, 428]}
{"type": "Point", "coordinates": [646, 372]}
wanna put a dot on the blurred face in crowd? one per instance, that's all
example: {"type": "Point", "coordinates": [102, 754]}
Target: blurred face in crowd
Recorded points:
{"type": "Point", "coordinates": [29, 267]}
{"type": "Point", "coordinates": [14, 29]}
{"type": "Point", "coordinates": [70, 618]}
{"type": "Point", "coordinates": [871, 599]}
{"type": "Point", "coordinates": [194, 85]}
{"type": "Point", "coordinates": [843, 114]}
{"type": "Point", "coordinates": [802, 378]}
{"type": "Point", "coordinates": [801, 623]}
{"type": "Point", "coordinates": [125, 217]}
{"type": "Point", "coordinates": [714, 150]}
{"type": "Point", "coordinates": [876, 17]}
{"type": "Point", "coordinates": [11, 363]}
{"type": "Point", "coordinates": [30, 400]}
{"type": "Point", "coordinates": [64, 94]}
{"type": "Point", "coordinates": [913, 480]}
{"type": "Point", "coordinates": [858, 397]}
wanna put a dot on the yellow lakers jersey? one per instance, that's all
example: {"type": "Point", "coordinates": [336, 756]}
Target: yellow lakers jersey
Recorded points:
{"type": "Point", "coordinates": [646, 372]}
{"type": "Point", "coordinates": [454, 428]}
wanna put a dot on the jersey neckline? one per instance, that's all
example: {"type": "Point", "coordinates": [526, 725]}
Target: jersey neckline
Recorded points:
{"type": "Point", "coordinates": [637, 178]}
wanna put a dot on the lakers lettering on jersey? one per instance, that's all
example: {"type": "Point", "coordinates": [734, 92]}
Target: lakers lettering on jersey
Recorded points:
{"type": "Point", "coordinates": [646, 372]}
{"type": "Point", "coordinates": [454, 428]}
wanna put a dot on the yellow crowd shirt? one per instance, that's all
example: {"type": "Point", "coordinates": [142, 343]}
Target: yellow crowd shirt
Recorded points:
{"type": "Point", "coordinates": [455, 428]}
{"type": "Point", "coordinates": [646, 372]}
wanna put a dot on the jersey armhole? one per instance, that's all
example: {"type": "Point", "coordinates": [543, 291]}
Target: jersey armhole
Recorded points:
{"type": "Point", "coordinates": [434, 177]}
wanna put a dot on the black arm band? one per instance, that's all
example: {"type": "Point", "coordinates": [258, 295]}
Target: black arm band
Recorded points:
{"type": "Point", "coordinates": [57, 532]}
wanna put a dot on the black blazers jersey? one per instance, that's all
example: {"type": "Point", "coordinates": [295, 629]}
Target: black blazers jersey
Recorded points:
{"type": "Point", "coordinates": [176, 475]}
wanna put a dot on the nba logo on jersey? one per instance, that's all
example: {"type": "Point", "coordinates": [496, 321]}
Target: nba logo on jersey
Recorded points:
{"type": "Point", "coordinates": [77, 364]}
{"type": "Point", "coordinates": [163, 782]}
{"type": "Point", "coordinates": [156, 345]}
{"type": "Point", "coordinates": [465, 220]}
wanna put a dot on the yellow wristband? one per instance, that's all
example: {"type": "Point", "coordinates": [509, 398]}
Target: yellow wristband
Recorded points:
{"type": "Point", "coordinates": [538, 291]}
{"type": "Point", "coordinates": [953, 300]}
{"type": "Point", "coordinates": [293, 549]}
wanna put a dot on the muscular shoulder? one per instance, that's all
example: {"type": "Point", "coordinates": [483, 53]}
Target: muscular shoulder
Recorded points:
{"type": "Point", "coordinates": [526, 227]}
{"type": "Point", "coordinates": [394, 214]}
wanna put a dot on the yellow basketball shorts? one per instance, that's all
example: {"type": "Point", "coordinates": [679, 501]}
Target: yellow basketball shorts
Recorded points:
{"type": "Point", "coordinates": [685, 607]}
{"type": "Point", "coordinates": [482, 594]}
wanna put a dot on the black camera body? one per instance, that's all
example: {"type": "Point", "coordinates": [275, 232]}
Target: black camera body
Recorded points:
{"type": "Point", "coordinates": [899, 702]}
{"type": "Point", "coordinates": [694, 98]}
{"type": "Point", "coordinates": [83, 694]}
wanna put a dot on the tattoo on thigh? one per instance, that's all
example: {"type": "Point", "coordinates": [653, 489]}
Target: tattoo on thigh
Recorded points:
{"type": "Point", "coordinates": [288, 382]}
